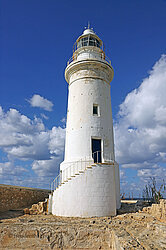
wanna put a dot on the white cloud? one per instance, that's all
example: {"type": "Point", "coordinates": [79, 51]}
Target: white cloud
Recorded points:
{"type": "Point", "coordinates": [7, 168]}
{"type": "Point", "coordinates": [122, 174]}
{"type": "Point", "coordinates": [28, 140]}
{"type": "Point", "coordinates": [63, 120]}
{"type": "Point", "coordinates": [140, 132]}
{"type": "Point", "coordinates": [56, 142]}
{"type": "Point", "coordinates": [44, 116]}
{"type": "Point", "coordinates": [156, 171]}
{"type": "Point", "coordinates": [13, 174]}
{"type": "Point", "coordinates": [47, 167]}
{"type": "Point", "coordinates": [41, 102]}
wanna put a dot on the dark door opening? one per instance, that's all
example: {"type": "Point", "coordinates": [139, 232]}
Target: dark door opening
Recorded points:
{"type": "Point", "coordinates": [96, 150]}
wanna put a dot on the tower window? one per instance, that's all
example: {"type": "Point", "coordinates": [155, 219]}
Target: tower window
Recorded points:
{"type": "Point", "coordinates": [95, 109]}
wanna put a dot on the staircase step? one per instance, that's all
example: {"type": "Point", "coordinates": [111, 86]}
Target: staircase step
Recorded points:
{"type": "Point", "coordinates": [78, 173]}
{"type": "Point", "coordinates": [89, 167]}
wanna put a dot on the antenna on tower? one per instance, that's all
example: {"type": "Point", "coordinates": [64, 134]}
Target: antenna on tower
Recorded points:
{"type": "Point", "coordinates": [88, 27]}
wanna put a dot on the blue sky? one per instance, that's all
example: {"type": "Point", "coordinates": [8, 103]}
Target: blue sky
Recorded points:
{"type": "Point", "coordinates": [36, 41]}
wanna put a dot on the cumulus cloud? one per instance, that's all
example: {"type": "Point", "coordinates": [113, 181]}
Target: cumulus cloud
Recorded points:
{"type": "Point", "coordinates": [28, 140]}
{"type": "Point", "coordinates": [123, 179]}
{"type": "Point", "coordinates": [122, 174]}
{"type": "Point", "coordinates": [140, 130]}
{"type": "Point", "coordinates": [156, 171]}
{"type": "Point", "coordinates": [41, 102]}
{"type": "Point", "coordinates": [51, 166]}
{"type": "Point", "coordinates": [63, 120]}
{"type": "Point", "coordinates": [13, 174]}
{"type": "Point", "coordinates": [57, 135]}
{"type": "Point", "coordinates": [8, 167]}
{"type": "Point", "coordinates": [44, 116]}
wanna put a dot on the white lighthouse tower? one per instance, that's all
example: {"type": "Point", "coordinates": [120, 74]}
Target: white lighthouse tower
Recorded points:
{"type": "Point", "coordinates": [89, 181]}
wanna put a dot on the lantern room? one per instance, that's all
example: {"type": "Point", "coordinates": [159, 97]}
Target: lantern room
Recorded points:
{"type": "Point", "coordinates": [88, 38]}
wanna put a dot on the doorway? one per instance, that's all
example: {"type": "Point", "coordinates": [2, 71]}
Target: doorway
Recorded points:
{"type": "Point", "coordinates": [96, 150]}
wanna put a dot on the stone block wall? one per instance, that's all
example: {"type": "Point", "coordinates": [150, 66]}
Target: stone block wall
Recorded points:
{"type": "Point", "coordinates": [14, 197]}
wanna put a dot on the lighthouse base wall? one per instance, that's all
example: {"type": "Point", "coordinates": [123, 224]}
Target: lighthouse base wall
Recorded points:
{"type": "Point", "coordinates": [91, 193]}
{"type": "Point", "coordinates": [117, 181]}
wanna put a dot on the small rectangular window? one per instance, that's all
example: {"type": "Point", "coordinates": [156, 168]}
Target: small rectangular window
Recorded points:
{"type": "Point", "coordinates": [95, 109]}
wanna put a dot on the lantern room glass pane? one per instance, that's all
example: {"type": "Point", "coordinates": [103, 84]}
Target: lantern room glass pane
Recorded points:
{"type": "Point", "coordinates": [88, 41]}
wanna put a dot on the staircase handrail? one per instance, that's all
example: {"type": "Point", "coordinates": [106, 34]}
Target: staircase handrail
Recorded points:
{"type": "Point", "coordinates": [74, 168]}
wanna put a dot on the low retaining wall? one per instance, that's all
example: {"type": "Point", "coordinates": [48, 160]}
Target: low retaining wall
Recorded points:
{"type": "Point", "coordinates": [14, 197]}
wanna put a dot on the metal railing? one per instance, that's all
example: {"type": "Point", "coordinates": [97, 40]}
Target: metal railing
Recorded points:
{"type": "Point", "coordinates": [97, 157]}
{"type": "Point", "coordinates": [56, 182]}
{"type": "Point", "coordinates": [102, 57]}
{"type": "Point", "coordinates": [75, 168]}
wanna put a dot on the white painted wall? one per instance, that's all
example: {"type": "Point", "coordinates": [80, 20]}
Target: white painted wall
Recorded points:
{"type": "Point", "coordinates": [86, 52]}
{"type": "Point", "coordinates": [117, 181]}
{"type": "Point", "coordinates": [89, 194]}
{"type": "Point", "coordinates": [95, 192]}
{"type": "Point", "coordinates": [50, 204]}
{"type": "Point", "coordinates": [82, 126]}
{"type": "Point", "coordinates": [88, 85]}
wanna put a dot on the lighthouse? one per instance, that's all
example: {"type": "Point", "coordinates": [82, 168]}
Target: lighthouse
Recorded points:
{"type": "Point", "coordinates": [88, 184]}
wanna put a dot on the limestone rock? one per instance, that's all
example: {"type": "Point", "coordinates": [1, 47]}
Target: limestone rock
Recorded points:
{"type": "Point", "coordinates": [126, 231]}
{"type": "Point", "coordinates": [26, 211]}
{"type": "Point", "coordinates": [157, 210]}
{"type": "Point", "coordinates": [40, 208]}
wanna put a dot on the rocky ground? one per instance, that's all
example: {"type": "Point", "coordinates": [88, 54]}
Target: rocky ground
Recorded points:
{"type": "Point", "coordinates": [136, 230]}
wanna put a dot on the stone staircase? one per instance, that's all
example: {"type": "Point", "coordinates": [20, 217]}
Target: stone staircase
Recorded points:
{"type": "Point", "coordinates": [72, 171]}
{"type": "Point", "coordinates": [78, 173]}
{"type": "Point", "coordinates": [88, 191]}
